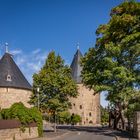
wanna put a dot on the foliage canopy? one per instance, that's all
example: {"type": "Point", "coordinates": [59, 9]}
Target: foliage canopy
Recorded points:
{"type": "Point", "coordinates": [56, 85]}
{"type": "Point", "coordinates": [113, 65]}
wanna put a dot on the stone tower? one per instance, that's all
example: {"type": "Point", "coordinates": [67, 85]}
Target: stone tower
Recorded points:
{"type": "Point", "coordinates": [87, 105]}
{"type": "Point", "coordinates": [13, 85]}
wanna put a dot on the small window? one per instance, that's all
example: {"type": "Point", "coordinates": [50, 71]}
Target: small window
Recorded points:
{"type": "Point", "coordinates": [80, 106]}
{"type": "Point", "coordinates": [90, 114]}
{"type": "Point", "coordinates": [74, 104]}
{"type": "Point", "coordinates": [9, 78]}
{"type": "Point", "coordinates": [90, 122]}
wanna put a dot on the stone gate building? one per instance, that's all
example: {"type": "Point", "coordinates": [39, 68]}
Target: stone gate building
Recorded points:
{"type": "Point", "coordinates": [87, 105]}
{"type": "Point", "coordinates": [13, 85]}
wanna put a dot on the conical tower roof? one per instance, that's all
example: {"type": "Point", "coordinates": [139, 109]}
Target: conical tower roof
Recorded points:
{"type": "Point", "coordinates": [10, 74]}
{"type": "Point", "coordinates": [75, 67]}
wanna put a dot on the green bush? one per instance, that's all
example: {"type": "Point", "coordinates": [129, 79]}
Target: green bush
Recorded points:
{"type": "Point", "coordinates": [24, 115]}
{"type": "Point", "coordinates": [64, 117]}
{"type": "Point", "coordinates": [75, 118]}
{"type": "Point", "coordinates": [104, 116]}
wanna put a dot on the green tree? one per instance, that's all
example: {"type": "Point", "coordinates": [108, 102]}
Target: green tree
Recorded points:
{"type": "Point", "coordinates": [64, 117]}
{"type": "Point", "coordinates": [75, 118]}
{"type": "Point", "coordinates": [113, 65]}
{"type": "Point", "coordinates": [54, 106]}
{"type": "Point", "coordinates": [104, 116]}
{"type": "Point", "coordinates": [134, 105]}
{"type": "Point", "coordinates": [56, 85]}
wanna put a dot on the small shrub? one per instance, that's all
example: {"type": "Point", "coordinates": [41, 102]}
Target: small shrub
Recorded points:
{"type": "Point", "coordinates": [64, 117]}
{"type": "Point", "coordinates": [75, 118]}
{"type": "Point", "coordinates": [24, 115]}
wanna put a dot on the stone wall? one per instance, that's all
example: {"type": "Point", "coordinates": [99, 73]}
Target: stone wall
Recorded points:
{"type": "Point", "coordinates": [87, 105]}
{"type": "Point", "coordinates": [8, 96]}
{"type": "Point", "coordinates": [17, 134]}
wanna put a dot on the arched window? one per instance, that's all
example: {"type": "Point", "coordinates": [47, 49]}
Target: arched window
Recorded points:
{"type": "Point", "coordinates": [8, 77]}
{"type": "Point", "coordinates": [90, 122]}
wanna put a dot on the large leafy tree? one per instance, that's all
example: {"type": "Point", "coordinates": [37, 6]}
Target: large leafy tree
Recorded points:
{"type": "Point", "coordinates": [113, 65]}
{"type": "Point", "coordinates": [56, 85]}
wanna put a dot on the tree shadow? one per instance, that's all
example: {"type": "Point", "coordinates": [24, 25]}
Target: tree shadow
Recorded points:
{"type": "Point", "coordinates": [99, 131]}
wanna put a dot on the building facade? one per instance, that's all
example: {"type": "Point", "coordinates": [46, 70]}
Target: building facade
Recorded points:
{"type": "Point", "coordinates": [87, 104]}
{"type": "Point", "coordinates": [13, 85]}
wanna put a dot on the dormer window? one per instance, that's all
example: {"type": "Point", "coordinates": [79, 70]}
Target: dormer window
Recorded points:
{"type": "Point", "coordinates": [9, 78]}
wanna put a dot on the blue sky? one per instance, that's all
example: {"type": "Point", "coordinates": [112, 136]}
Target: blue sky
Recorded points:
{"type": "Point", "coordinates": [33, 28]}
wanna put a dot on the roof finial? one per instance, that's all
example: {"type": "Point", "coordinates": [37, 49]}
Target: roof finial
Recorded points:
{"type": "Point", "coordinates": [78, 46]}
{"type": "Point", "coordinates": [6, 47]}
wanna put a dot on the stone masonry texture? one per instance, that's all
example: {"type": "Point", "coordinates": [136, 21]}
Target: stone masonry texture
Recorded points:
{"type": "Point", "coordinates": [17, 134]}
{"type": "Point", "coordinates": [87, 105]}
{"type": "Point", "coordinates": [9, 96]}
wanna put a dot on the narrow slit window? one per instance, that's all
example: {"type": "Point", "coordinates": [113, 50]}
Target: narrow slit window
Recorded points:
{"type": "Point", "coordinates": [90, 114]}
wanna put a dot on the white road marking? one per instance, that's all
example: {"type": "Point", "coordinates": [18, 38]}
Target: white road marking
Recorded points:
{"type": "Point", "coordinates": [79, 133]}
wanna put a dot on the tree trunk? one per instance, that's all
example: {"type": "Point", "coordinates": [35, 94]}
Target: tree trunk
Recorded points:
{"type": "Point", "coordinates": [117, 119]}
{"type": "Point", "coordinates": [54, 122]}
{"type": "Point", "coordinates": [129, 124]}
{"type": "Point", "coordinates": [110, 120]}
{"type": "Point", "coordinates": [122, 120]}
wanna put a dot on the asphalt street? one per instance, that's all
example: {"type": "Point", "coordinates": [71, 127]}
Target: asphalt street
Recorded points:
{"type": "Point", "coordinates": [83, 135]}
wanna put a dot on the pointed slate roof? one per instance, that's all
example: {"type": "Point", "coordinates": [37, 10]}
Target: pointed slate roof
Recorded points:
{"type": "Point", "coordinates": [10, 74]}
{"type": "Point", "coordinates": [75, 67]}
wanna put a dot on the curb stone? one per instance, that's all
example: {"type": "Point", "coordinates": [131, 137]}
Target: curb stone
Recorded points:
{"type": "Point", "coordinates": [117, 138]}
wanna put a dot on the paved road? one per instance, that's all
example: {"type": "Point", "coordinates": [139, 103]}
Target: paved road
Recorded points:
{"type": "Point", "coordinates": [83, 135]}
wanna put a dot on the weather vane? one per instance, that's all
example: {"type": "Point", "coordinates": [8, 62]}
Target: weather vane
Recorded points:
{"type": "Point", "coordinates": [6, 47]}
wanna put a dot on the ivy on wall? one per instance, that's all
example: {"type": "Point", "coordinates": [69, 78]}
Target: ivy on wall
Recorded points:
{"type": "Point", "coordinates": [24, 115]}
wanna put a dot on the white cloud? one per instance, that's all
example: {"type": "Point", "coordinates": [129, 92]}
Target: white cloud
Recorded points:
{"type": "Point", "coordinates": [67, 62]}
{"type": "Point", "coordinates": [34, 67]}
{"type": "Point", "coordinates": [36, 51]}
{"type": "Point", "coordinates": [31, 62]}
{"type": "Point", "coordinates": [20, 60]}
{"type": "Point", "coordinates": [15, 52]}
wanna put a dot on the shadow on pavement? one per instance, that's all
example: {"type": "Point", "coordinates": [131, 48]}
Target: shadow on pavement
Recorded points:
{"type": "Point", "coordinates": [99, 131]}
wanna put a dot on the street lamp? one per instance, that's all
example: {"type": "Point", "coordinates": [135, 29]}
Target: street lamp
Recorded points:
{"type": "Point", "coordinates": [38, 97]}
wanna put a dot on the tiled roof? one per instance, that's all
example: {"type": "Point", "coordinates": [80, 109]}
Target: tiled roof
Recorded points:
{"type": "Point", "coordinates": [10, 74]}
{"type": "Point", "coordinates": [75, 67]}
